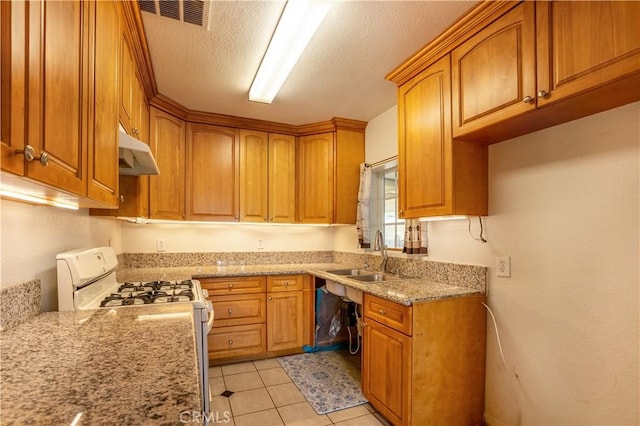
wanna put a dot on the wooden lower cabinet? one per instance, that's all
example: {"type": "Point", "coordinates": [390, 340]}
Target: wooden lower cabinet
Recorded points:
{"type": "Point", "coordinates": [258, 316]}
{"type": "Point", "coordinates": [425, 364]}
{"type": "Point", "coordinates": [284, 313]}
{"type": "Point", "coordinates": [387, 378]}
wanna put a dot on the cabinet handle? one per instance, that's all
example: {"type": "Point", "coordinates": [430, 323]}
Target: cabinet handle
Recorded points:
{"type": "Point", "coordinates": [230, 311]}
{"type": "Point", "coordinates": [230, 286]}
{"type": "Point", "coordinates": [237, 218]}
{"type": "Point", "coordinates": [382, 312]}
{"type": "Point", "coordinates": [29, 155]}
{"type": "Point", "coordinates": [135, 130]}
{"type": "Point", "coordinates": [542, 93]}
{"type": "Point", "coordinates": [271, 219]}
{"type": "Point", "coordinates": [266, 219]}
{"type": "Point", "coordinates": [286, 283]}
{"type": "Point", "coordinates": [527, 99]}
{"type": "Point", "coordinates": [230, 342]}
{"type": "Point", "coordinates": [121, 199]}
{"type": "Point", "coordinates": [270, 298]}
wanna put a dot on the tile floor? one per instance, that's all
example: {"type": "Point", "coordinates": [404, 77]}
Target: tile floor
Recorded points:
{"type": "Point", "coordinates": [264, 395]}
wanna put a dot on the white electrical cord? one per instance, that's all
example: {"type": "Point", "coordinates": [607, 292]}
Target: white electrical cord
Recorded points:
{"type": "Point", "coordinates": [495, 326]}
{"type": "Point", "coordinates": [358, 326]}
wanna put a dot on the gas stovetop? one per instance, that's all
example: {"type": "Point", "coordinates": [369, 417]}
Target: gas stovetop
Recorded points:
{"type": "Point", "coordinates": [144, 293]}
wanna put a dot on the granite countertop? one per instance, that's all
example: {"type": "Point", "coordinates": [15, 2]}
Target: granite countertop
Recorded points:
{"type": "Point", "coordinates": [405, 291]}
{"type": "Point", "coordinates": [119, 366]}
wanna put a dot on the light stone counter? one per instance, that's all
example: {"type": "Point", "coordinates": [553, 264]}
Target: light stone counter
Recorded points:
{"type": "Point", "coordinates": [116, 366]}
{"type": "Point", "coordinates": [405, 291]}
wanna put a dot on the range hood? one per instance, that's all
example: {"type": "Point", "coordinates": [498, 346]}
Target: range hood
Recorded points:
{"type": "Point", "coordinates": [135, 157]}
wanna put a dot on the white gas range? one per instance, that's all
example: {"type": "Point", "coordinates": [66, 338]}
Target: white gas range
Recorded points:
{"type": "Point", "coordinates": [87, 280]}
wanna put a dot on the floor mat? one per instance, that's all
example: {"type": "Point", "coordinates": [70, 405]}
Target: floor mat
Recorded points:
{"type": "Point", "coordinates": [328, 381]}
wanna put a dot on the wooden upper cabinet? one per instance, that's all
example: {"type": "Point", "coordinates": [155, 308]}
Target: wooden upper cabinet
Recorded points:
{"type": "Point", "coordinates": [561, 60]}
{"type": "Point", "coordinates": [167, 190]}
{"type": "Point", "coordinates": [316, 178]}
{"type": "Point", "coordinates": [13, 33]}
{"type": "Point", "coordinates": [58, 46]}
{"type": "Point", "coordinates": [60, 97]}
{"type": "Point", "coordinates": [127, 85]}
{"type": "Point", "coordinates": [349, 154]}
{"type": "Point", "coordinates": [213, 187]}
{"type": "Point", "coordinates": [282, 178]}
{"type": "Point", "coordinates": [436, 176]}
{"type": "Point", "coordinates": [493, 72]}
{"type": "Point", "coordinates": [583, 45]}
{"type": "Point", "coordinates": [103, 142]}
{"type": "Point", "coordinates": [254, 176]}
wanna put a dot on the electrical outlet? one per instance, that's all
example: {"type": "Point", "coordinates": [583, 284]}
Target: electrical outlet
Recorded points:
{"type": "Point", "coordinates": [160, 245]}
{"type": "Point", "coordinates": [503, 266]}
{"type": "Point", "coordinates": [260, 245]}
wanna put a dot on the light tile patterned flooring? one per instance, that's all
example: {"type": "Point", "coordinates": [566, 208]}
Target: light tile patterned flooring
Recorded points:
{"type": "Point", "coordinates": [264, 395]}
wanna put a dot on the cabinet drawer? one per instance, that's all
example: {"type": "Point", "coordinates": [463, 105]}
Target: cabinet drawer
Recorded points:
{"type": "Point", "coordinates": [391, 314]}
{"type": "Point", "coordinates": [239, 309]}
{"type": "Point", "coordinates": [237, 340]}
{"type": "Point", "coordinates": [284, 283]}
{"type": "Point", "coordinates": [234, 285]}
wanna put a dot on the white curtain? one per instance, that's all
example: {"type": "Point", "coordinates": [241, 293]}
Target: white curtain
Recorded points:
{"type": "Point", "coordinates": [362, 215]}
{"type": "Point", "coordinates": [416, 238]}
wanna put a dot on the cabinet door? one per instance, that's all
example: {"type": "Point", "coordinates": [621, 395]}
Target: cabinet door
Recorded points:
{"type": "Point", "coordinates": [494, 72]}
{"type": "Point", "coordinates": [213, 189]}
{"type": "Point", "coordinates": [316, 178]}
{"type": "Point", "coordinates": [138, 108]}
{"type": "Point", "coordinates": [282, 178]}
{"type": "Point", "coordinates": [349, 154]}
{"type": "Point", "coordinates": [103, 142]}
{"type": "Point", "coordinates": [386, 371]}
{"type": "Point", "coordinates": [166, 191]}
{"type": "Point", "coordinates": [284, 320]}
{"type": "Point", "coordinates": [58, 87]}
{"type": "Point", "coordinates": [13, 32]}
{"type": "Point", "coordinates": [583, 45]}
{"type": "Point", "coordinates": [254, 183]}
{"type": "Point", "coordinates": [424, 151]}
{"type": "Point", "coordinates": [127, 77]}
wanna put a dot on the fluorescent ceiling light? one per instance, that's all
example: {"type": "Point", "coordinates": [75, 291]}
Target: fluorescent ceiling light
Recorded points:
{"type": "Point", "coordinates": [298, 22]}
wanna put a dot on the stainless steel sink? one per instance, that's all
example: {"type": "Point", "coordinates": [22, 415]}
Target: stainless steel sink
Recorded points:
{"type": "Point", "coordinates": [350, 272]}
{"type": "Point", "coordinates": [374, 277]}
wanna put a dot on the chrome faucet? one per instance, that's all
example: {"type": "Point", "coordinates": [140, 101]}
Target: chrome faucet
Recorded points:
{"type": "Point", "coordinates": [378, 244]}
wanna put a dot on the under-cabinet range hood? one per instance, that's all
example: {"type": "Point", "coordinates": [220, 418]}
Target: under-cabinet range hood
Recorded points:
{"type": "Point", "coordinates": [135, 157]}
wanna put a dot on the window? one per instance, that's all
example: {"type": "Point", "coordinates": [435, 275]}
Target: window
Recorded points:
{"type": "Point", "coordinates": [384, 206]}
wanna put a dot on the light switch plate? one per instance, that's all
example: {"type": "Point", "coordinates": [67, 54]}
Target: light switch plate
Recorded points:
{"type": "Point", "coordinates": [503, 266]}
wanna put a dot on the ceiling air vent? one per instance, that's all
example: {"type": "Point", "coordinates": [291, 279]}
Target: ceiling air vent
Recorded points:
{"type": "Point", "coordinates": [189, 11]}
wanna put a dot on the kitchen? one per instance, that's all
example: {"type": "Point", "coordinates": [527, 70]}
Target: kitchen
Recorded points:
{"type": "Point", "coordinates": [563, 204]}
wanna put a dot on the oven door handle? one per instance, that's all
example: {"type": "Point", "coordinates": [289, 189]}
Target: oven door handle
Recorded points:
{"type": "Point", "coordinates": [211, 315]}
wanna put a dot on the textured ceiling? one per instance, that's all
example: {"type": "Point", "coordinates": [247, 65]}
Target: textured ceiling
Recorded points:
{"type": "Point", "coordinates": [341, 74]}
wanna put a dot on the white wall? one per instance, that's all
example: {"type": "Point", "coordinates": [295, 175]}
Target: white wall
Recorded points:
{"type": "Point", "coordinates": [33, 235]}
{"type": "Point", "coordinates": [564, 205]}
{"type": "Point", "coordinates": [381, 136]}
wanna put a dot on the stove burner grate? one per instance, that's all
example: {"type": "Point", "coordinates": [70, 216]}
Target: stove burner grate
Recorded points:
{"type": "Point", "coordinates": [150, 292]}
